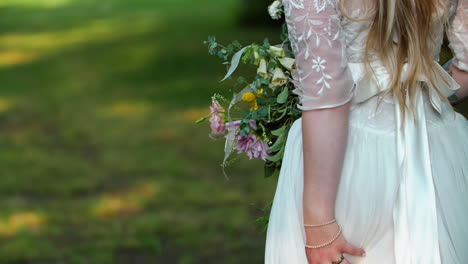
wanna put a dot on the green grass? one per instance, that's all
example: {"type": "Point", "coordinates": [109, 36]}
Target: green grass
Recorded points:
{"type": "Point", "coordinates": [100, 157]}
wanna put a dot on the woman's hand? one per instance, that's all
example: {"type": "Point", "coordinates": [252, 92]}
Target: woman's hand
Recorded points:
{"type": "Point", "coordinates": [330, 253]}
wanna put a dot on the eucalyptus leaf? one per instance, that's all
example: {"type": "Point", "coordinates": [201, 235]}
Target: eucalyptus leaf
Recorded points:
{"type": "Point", "coordinates": [234, 63]}
{"type": "Point", "coordinates": [254, 115]}
{"type": "Point", "coordinates": [263, 111]}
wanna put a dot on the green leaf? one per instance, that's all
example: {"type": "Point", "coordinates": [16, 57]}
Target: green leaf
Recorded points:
{"type": "Point", "coordinates": [270, 169]}
{"type": "Point", "coordinates": [247, 55]}
{"type": "Point", "coordinates": [230, 49]}
{"type": "Point", "coordinates": [278, 131]}
{"type": "Point", "coordinates": [264, 81]}
{"type": "Point", "coordinates": [261, 100]}
{"type": "Point", "coordinates": [243, 133]}
{"type": "Point", "coordinates": [283, 96]}
{"type": "Point", "coordinates": [263, 111]}
{"type": "Point", "coordinates": [272, 65]}
{"type": "Point", "coordinates": [221, 53]}
{"type": "Point", "coordinates": [241, 80]}
{"type": "Point", "coordinates": [278, 156]}
{"type": "Point", "coordinates": [280, 141]}
{"type": "Point", "coordinates": [246, 115]}
{"type": "Point", "coordinates": [255, 115]}
{"type": "Point", "coordinates": [213, 47]}
{"type": "Point", "coordinates": [236, 44]}
{"type": "Point", "coordinates": [272, 100]}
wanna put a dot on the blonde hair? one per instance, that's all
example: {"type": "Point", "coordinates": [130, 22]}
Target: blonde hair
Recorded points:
{"type": "Point", "coordinates": [412, 23]}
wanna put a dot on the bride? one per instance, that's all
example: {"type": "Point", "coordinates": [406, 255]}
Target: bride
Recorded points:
{"type": "Point", "coordinates": [376, 169]}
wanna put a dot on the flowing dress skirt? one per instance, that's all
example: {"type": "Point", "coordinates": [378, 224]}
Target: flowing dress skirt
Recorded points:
{"type": "Point", "coordinates": [369, 186]}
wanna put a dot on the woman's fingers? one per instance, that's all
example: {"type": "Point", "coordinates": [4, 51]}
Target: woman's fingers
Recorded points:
{"type": "Point", "coordinates": [337, 260]}
{"type": "Point", "coordinates": [352, 250]}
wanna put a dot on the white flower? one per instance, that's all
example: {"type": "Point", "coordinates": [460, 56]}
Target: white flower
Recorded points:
{"type": "Point", "coordinates": [262, 69]}
{"type": "Point", "coordinates": [279, 78]}
{"type": "Point", "coordinates": [288, 63]}
{"type": "Point", "coordinates": [275, 10]}
{"type": "Point", "coordinates": [278, 51]}
{"type": "Point", "coordinates": [318, 64]}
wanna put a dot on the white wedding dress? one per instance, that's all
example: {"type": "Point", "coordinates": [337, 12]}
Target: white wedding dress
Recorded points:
{"type": "Point", "coordinates": [403, 192]}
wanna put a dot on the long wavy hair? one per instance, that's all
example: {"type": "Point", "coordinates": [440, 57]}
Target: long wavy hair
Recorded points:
{"type": "Point", "coordinates": [412, 22]}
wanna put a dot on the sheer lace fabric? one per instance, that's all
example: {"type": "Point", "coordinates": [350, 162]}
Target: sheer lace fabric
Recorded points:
{"type": "Point", "coordinates": [458, 35]}
{"type": "Point", "coordinates": [324, 42]}
{"type": "Point", "coordinates": [322, 78]}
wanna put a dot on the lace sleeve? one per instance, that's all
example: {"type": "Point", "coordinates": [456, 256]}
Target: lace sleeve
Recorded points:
{"type": "Point", "coordinates": [458, 35]}
{"type": "Point", "coordinates": [322, 78]}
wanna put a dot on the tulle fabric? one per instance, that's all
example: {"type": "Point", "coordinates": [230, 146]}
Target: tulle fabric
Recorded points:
{"type": "Point", "coordinates": [369, 186]}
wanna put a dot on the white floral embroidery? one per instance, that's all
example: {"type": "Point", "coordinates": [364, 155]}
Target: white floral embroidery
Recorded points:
{"type": "Point", "coordinates": [320, 5]}
{"type": "Point", "coordinates": [310, 31]}
{"type": "Point", "coordinates": [318, 64]}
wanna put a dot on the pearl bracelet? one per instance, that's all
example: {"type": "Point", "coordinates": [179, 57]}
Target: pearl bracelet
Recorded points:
{"type": "Point", "coordinates": [327, 243]}
{"type": "Point", "coordinates": [329, 222]}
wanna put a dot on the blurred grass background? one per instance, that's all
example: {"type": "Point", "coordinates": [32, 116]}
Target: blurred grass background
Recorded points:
{"type": "Point", "coordinates": [101, 161]}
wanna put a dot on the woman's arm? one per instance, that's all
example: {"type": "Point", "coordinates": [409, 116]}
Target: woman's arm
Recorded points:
{"type": "Point", "coordinates": [325, 87]}
{"type": "Point", "coordinates": [324, 143]}
{"type": "Point", "coordinates": [325, 134]}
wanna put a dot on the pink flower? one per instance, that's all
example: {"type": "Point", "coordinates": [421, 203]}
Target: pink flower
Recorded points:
{"type": "Point", "coordinates": [216, 121]}
{"type": "Point", "coordinates": [245, 143]}
{"type": "Point", "coordinates": [259, 150]}
{"type": "Point", "coordinates": [252, 146]}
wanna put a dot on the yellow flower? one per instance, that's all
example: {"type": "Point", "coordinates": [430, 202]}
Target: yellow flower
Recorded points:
{"type": "Point", "coordinates": [260, 92]}
{"type": "Point", "coordinates": [249, 97]}
{"type": "Point", "coordinates": [255, 106]}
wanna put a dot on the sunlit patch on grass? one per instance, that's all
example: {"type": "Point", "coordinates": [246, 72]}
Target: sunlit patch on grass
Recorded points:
{"type": "Point", "coordinates": [190, 115]}
{"type": "Point", "coordinates": [128, 109]}
{"type": "Point", "coordinates": [15, 57]}
{"type": "Point", "coordinates": [112, 207]}
{"type": "Point", "coordinates": [30, 221]}
{"type": "Point", "coordinates": [5, 104]}
{"type": "Point", "coordinates": [34, 3]}
{"type": "Point", "coordinates": [25, 47]}
{"type": "Point", "coordinates": [125, 202]}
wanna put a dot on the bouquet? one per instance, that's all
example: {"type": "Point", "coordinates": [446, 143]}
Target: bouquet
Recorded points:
{"type": "Point", "coordinates": [257, 119]}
